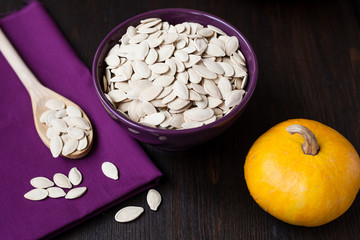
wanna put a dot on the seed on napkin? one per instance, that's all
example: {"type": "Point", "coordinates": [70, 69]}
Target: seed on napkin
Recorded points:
{"type": "Point", "coordinates": [110, 170]}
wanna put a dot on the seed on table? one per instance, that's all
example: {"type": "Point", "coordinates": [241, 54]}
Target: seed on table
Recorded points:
{"type": "Point", "coordinates": [128, 214]}
{"type": "Point", "coordinates": [153, 199]}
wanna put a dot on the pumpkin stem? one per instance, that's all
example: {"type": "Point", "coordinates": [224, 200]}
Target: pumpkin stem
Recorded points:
{"type": "Point", "coordinates": [310, 146]}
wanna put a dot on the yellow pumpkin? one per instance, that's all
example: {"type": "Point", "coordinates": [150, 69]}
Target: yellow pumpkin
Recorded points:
{"type": "Point", "coordinates": [307, 179]}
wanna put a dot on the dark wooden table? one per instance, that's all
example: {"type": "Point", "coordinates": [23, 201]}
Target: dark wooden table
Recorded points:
{"type": "Point", "coordinates": [309, 61]}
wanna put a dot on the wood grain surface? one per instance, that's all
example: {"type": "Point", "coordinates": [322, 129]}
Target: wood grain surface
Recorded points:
{"type": "Point", "coordinates": [309, 62]}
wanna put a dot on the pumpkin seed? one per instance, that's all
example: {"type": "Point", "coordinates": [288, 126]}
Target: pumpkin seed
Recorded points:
{"type": "Point", "coordinates": [61, 180]}
{"type": "Point", "coordinates": [36, 194]}
{"type": "Point", "coordinates": [75, 176]}
{"type": "Point", "coordinates": [180, 90]}
{"type": "Point", "coordinates": [82, 144]}
{"type": "Point", "coordinates": [56, 192]}
{"type": "Point", "coordinates": [41, 182]}
{"type": "Point", "coordinates": [128, 214]}
{"type": "Point", "coordinates": [232, 44]}
{"type": "Point", "coordinates": [69, 147]}
{"type": "Point", "coordinates": [76, 192]}
{"type": "Point", "coordinates": [52, 132]}
{"type": "Point", "coordinates": [150, 93]}
{"type": "Point", "coordinates": [153, 199]}
{"type": "Point", "coordinates": [54, 104]}
{"type": "Point", "coordinates": [234, 98]}
{"type": "Point", "coordinates": [56, 146]}
{"type": "Point", "coordinates": [76, 133]}
{"type": "Point", "coordinates": [199, 114]}
{"type": "Point", "coordinates": [110, 170]}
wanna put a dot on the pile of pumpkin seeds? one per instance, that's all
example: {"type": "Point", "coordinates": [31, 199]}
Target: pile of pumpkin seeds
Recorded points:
{"type": "Point", "coordinates": [67, 129]}
{"type": "Point", "coordinates": [175, 76]}
{"type": "Point", "coordinates": [44, 187]}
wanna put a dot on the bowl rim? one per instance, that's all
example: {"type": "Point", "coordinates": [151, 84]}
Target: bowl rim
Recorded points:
{"type": "Point", "coordinates": [249, 90]}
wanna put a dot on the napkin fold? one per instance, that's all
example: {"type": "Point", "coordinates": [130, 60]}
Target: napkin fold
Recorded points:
{"type": "Point", "coordinates": [22, 154]}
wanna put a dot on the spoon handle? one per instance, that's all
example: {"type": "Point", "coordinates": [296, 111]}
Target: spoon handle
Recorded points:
{"type": "Point", "coordinates": [31, 83]}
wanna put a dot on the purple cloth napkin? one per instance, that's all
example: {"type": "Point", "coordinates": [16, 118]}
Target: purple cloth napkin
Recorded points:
{"type": "Point", "coordinates": [22, 154]}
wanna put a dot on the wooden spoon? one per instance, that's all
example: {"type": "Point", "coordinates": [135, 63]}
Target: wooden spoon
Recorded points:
{"type": "Point", "coordinates": [39, 94]}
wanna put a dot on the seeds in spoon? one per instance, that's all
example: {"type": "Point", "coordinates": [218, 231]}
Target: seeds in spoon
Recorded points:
{"type": "Point", "coordinates": [64, 121]}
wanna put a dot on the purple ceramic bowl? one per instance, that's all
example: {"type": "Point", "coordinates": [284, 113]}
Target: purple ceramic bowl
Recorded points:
{"type": "Point", "coordinates": [174, 139]}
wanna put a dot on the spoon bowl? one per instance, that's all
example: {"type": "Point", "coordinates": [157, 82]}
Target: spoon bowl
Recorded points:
{"type": "Point", "coordinates": [39, 95]}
